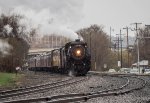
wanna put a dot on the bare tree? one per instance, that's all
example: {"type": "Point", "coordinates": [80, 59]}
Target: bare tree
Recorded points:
{"type": "Point", "coordinates": [16, 35]}
{"type": "Point", "coordinates": [144, 43]}
{"type": "Point", "coordinates": [98, 43]}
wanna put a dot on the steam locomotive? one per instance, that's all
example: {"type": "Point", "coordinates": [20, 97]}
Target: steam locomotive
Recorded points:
{"type": "Point", "coordinates": [74, 58]}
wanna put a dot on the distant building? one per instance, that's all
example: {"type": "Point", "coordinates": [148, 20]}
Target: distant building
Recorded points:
{"type": "Point", "coordinates": [48, 41]}
{"type": "Point", "coordinates": [144, 64]}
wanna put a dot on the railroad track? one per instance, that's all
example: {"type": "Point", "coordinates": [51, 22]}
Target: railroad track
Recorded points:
{"type": "Point", "coordinates": [4, 95]}
{"type": "Point", "coordinates": [125, 88]}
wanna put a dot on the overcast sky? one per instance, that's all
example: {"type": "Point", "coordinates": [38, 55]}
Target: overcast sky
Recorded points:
{"type": "Point", "coordinates": [116, 13]}
{"type": "Point", "coordinates": [76, 14]}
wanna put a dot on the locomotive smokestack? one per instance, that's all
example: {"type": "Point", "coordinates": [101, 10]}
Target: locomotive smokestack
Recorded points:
{"type": "Point", "coordinates": [77, 40]}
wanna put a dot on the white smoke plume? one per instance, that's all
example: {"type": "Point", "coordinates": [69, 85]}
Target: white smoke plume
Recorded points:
{"type": "Point", "coordinates": [4, 47]}
{"type": "Point", "coordinates": [48, 16]}
{"type": "Point", "coordinates": [7, 29]}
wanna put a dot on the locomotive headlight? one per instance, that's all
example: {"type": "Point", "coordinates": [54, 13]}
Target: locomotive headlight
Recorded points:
{"type": "Point", "coordinates": [78, 53]}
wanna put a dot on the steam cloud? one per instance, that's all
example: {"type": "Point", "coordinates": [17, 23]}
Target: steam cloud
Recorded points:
{"type": "Point", "coordinates": [7, 29]}
{"type": "Point", "coordinates": [48, 16]}
{"type": "Point", "coordinates": [4, 47]}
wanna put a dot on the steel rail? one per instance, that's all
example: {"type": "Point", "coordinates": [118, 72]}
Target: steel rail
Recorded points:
{"type": "Point", "coordinates": [31, 87]}
{"type": "Point", "coordinates": [36, 90]}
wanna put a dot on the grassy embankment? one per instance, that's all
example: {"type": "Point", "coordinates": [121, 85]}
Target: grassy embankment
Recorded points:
{"type": "Point", "coordinates": [8, 79]}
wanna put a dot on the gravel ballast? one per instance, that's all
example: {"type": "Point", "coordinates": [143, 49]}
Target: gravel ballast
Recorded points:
{"type": "Point", "coordinates": [91, 84]}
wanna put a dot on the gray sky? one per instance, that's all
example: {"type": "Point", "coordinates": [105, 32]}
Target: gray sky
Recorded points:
{"type": "Point", "coordinates": [116, 13]}
{"type": "Point", "coordinates": [76, 14]}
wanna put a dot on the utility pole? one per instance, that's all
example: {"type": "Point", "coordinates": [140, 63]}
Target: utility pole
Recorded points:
{"type": "Point", "coordinates": [127, 28]}
{"type": "Point", "coordinates": [119, 37]}
{"type": "Point", "coordinates": [95, 54]}
{"type": "Point", "coordinates": [110, 34]}
{"type": "Point", "coordinates": [110, 38]}
{"type": "Point", "coordinates": [91, 50]}
{"type": "Point", "coordinates": [138, 54]}
{"type": "Point", "coordinates": [121, 46]}
{"type": "Point", "coordinates": [118, 50]}
{"type": "Point", "coordinates": [90, 43]}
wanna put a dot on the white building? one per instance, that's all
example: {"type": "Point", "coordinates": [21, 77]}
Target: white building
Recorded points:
{"type": "Point", "coordinates": [142, 65]}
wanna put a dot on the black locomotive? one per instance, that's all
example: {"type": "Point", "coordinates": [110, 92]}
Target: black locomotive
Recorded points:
{"type": "Point", "coordinates": [74, 58]}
